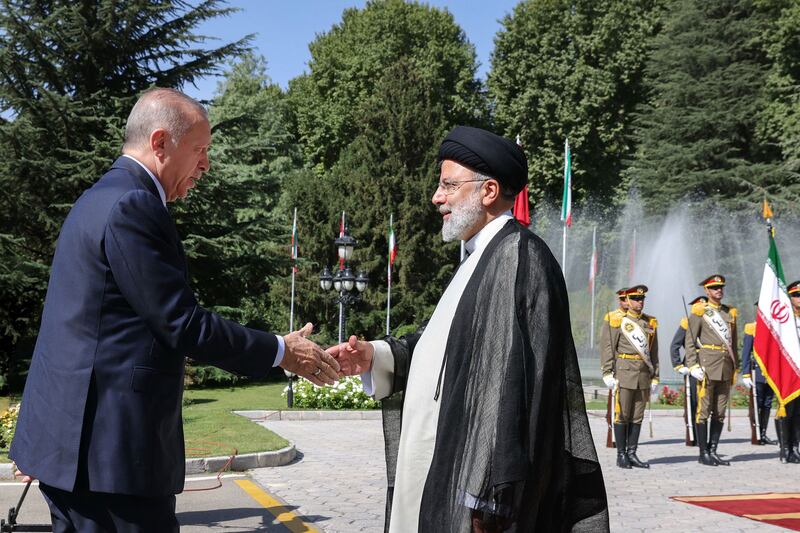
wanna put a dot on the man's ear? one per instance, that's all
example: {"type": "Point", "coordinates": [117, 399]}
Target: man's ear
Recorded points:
{"type": "Point", "coordinates": [158, 142]}
{"type": "Point", "coordinates": [491, 192]}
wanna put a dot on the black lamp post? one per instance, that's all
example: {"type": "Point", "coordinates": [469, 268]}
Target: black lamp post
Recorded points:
{"type": "Point", "coordinates": [343, 281]}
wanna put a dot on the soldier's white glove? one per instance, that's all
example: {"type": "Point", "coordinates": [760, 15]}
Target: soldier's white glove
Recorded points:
{"type": "Point", "coordinates": [698, 373]}
{"type": "Point", "coordinates": [684, 371]}
{"type": "Point", "coordinates": [610, 382]}
{"type": "Point", "coordinates": [747, 382]}
{"type": "Point", "coordinates": [653, 388]}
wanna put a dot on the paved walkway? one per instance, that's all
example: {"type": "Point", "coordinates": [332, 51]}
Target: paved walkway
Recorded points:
{"type": "Point", "coordinates": [338, 482]}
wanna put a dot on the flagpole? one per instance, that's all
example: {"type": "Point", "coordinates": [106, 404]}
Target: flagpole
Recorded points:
{"type": "Point", "coordinates": [389, 275]}
{"type": "Point", "coordinates": [294, 270]}
{"type": "Point", "coordinates": [566, 205]}
{"type": "Point", "coordinates": [594, 284]}
{"type": "Point", "coordinates": [564, 252]}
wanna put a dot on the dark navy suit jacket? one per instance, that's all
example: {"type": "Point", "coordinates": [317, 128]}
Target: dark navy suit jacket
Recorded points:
{"type": "Point", "coordinates": [101, 408]}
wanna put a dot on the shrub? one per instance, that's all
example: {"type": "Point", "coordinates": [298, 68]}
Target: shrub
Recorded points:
{"type": "Point", "coordinates": [740, 396]}
{"type": "Point", "coordinates": [346, 394]}
{"type": "Point", "coordinates": [8, 425]}
{"type": "Point", "coordinates": [669, 396]}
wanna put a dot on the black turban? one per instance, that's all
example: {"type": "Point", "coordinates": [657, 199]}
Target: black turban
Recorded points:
{"type": "Point", "coordinates": [487, 153]}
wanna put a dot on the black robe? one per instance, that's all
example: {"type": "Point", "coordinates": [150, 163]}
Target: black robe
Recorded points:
{"type": "Point", "coordinates": [512, 425]}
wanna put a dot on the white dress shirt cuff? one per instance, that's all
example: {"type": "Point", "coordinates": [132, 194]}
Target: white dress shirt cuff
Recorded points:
{"type": "Point", "coordinates": [281, 349]}
{"type": "Point", "coordinates": [378, 381]}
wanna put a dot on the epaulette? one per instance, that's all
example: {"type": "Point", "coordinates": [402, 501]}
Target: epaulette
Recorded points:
{"type": "Point", "coordinates": [652, 321]}
{"type": "Point", "coordinates": [733, 312]}
{"type": "Point", "coordinates": [615, 321]}
{"type": "Point", "coordinates": [605, 317]}
{"type": "Point", "coordinates": [750, 329]}
{"type": "Point", "coordinates": [699, 308]}
{"type": "Point", "coordinates": [685, 323]}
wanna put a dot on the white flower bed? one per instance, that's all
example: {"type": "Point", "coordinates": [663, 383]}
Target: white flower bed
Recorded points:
{"type": "Point", "coordinates": [346, 394]}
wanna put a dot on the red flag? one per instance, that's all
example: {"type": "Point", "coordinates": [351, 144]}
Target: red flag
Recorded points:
{"type": "Point", "coordinates": [521, 209]}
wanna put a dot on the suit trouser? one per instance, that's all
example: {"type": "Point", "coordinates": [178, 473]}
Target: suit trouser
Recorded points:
{"type": "Point", "coordinates": [630, 405]}
{"type": "Point", "coordinates": [97, 512]}
{"type": "Point", "coordinates": [713, 399]}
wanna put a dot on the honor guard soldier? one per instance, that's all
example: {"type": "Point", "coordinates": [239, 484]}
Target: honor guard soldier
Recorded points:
{"type": "Point", "coordinates": [605, 346]}
{"type": "Point", "coordinates": [787, 420]}
{"type": "Point", "coordinates": [690, 383]}
{"type": "Point", "coordinates": [761, 393]}
{"type": "Point", "coordinates": [630, 363]}
{"type": "Point", "coordinates": [710, 355]}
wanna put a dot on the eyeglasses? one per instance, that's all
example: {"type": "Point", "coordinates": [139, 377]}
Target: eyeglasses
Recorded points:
{"type": "Point", "coordinates": [449, 187]}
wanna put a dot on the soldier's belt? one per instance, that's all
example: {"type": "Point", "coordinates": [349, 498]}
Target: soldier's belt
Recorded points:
{"type": "Point", "coordinates": [714, 347]}
{"type": "Point", "coordinates": [632, 356]}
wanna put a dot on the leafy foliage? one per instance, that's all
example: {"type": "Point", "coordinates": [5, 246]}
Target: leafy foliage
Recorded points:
{"type": "Point", "coordinates": [572, 69]}
{"type": "Point", "coordinates": [346, 394]}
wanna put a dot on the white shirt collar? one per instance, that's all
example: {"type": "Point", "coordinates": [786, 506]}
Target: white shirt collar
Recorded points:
{"type": "Point", "coordinates": [161, 192]}
{"type": "Point", "coordinates": [482, 238]}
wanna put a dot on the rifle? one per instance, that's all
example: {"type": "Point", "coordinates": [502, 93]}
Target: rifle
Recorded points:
{"type": "Point", "coordinates": [11, 524]}
{"type": "Point", "coordinates": [612, 400]}
{"type": "Point", "coordinates": [687, 412]}
{"type": "Point", "coordinates": [755, 426]}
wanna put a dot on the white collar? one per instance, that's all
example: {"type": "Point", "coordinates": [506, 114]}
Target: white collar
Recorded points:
{"type": "Point", "coordinates": [161, 192]}
{"type": "Point", "coordinates": [482, 238]}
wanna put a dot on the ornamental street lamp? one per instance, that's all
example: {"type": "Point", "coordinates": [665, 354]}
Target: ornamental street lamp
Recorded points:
{"type": "Point", "coordinates": [348, 286]}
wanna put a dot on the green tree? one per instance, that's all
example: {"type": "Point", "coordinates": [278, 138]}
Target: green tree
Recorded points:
{"type": "Point", "coordinates": [347, 62]}
{"type": "Point", "coordinates": [572, 68]}
{"type": "Point", "coordinates": [69, 74]}
{"type": "Point", "coordinates": [697, 133]}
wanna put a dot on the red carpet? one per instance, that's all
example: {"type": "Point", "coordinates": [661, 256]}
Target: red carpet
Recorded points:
{"type": "Point", "coordinates": [778, 509]}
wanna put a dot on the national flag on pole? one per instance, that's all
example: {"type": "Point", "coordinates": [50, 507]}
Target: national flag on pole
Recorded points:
{"type": "Point", "coordinates": [766, 210]}
{"type": "Point", "coordinates": [522, 210]}
{"type": "Point", "coordinates": [593, 262]}
{"type": "Point", "coordinates": [294, 241]}
{"type": "Point", "coordinates": [776, 344]}
{"type": "Point", "coordinates": [566, 201]}
{"type": "Point", "coordinates": [392, 245]}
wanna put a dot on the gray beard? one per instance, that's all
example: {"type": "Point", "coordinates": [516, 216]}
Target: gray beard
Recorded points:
{"type": "Point", "coordinates": [462, 218]}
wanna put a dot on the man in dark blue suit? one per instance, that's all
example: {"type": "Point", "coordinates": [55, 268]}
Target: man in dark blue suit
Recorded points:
{"type": "Point", "coordinates": [100, 425]}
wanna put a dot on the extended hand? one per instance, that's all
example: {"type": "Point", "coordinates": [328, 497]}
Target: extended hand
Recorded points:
{"type": "Point", "coordinates": [306, 359]}
{"type": "Point", "coordinates": [354, 356]}
{"type": "Point", "coordinates": [25, 478]}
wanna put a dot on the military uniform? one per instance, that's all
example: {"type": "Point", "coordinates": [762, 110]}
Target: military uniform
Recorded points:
{"type": "Point", "coordinates": [679, 363]}
{"type": "Point", "coordinates": [711, 345]}
{"type": "Point", "coordinates": [631, 356]}
{"type": "Point", "coordinates": [787, 420]}
{"type": "Point", "coordinates": [764, 393]}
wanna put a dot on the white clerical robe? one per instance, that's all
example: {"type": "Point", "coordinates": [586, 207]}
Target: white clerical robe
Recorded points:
{"type": "Point", "coordinates": [420, 410]}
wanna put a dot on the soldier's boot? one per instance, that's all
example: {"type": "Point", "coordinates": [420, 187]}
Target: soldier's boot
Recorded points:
{"type": "Point", "coordinates": [716, 433]}
{"type": "Point", "coordinates": [783, 439]}
{"type": "Point", "coordinates": [633, 443]}
{"type": "Point", "coordinates": [702, 444]}
{"type": "Point", "coordinates": [763, 420]}
{"type": "Point", "coordinates": [794, 449]}
{"type": "Point", "coordinates": [621, 436]}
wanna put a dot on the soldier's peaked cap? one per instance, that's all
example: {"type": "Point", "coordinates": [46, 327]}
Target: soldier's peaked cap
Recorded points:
{"type": "Point", "coordinates": [621, 292]}
{"type": "Point", "coordinates": [793, 288]}
{"type": "Point", "coordinates": [636, 290]}
{"type": "Point", "coordinates": [487, 153]}
{"type": "Point", "coordinates": [715, 280]}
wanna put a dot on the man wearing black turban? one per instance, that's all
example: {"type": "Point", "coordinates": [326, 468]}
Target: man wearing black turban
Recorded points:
{"type": "Point", "coordinates": [485, 427]}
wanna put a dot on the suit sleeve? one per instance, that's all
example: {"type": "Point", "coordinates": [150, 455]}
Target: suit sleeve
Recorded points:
{"type": "Point", "coordinates": [146, 265]}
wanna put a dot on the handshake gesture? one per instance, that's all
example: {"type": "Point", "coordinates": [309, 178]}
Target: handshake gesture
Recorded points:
{"type": "Point", "coordinates": [324, 367]}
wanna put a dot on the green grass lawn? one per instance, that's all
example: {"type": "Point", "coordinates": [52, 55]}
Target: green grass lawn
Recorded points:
{"type": "Point", "coordinates": [210, 428]}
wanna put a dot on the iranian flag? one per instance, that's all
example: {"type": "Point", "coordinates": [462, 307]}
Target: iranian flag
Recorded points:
{"type": "Point", "coordinates": [776, 344]}
{"type": "Point", "coordinates": [566, 200]}
{"type": "Point", "coordinates": [392, 246]}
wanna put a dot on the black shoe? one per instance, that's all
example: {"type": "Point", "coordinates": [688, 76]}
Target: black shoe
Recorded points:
{"type": "Point", "coordinates": [621, 436]}
{"type": "Point", "coordinates": [716, 432]}
{"type": "Point", "coordinates": [633, 443]}
{"type": "Point", "coordinates": [793, 450]}
{"type": "Point", "coordinates": [763, 421]}
{"type": "Point", "coordinates": [701, 431]}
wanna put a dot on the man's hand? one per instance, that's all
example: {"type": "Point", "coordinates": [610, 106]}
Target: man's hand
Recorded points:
{"type": "Point", "coordinates": [354, 356]}
{"type": "Point", "coordinates": [306, 359]}
{"type": "Point", "coordinates": [25, 478]}
{"type": "Point", "coordinates": [482, 523]}
{"type": "Point", "coordinates": [684, 371]}
{"type": "Point", "coordinates": [748, 382]}
{"type": "Point", "coordinates": [698, 373]}
{"type": "Point", "coordinates": [610, 382]}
